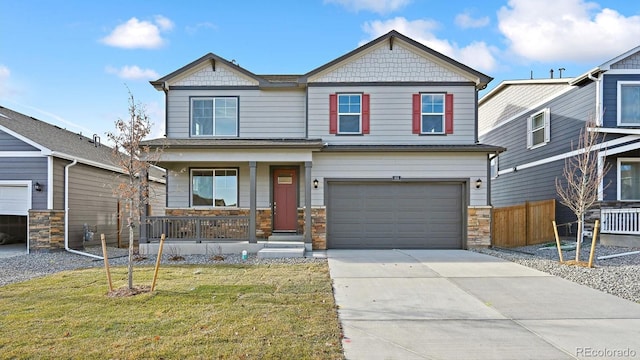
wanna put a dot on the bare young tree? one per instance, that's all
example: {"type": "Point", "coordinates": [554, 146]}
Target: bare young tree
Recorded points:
{"type": "Point", "coordinates": [134, 161]}
{"type": "Point", "coordinates": [582, 175]}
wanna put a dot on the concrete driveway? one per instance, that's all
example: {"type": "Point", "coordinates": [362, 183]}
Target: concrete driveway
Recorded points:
{"type": "Point", "coordinates": [456, 304]}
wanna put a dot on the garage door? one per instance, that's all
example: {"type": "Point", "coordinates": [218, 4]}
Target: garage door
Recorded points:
{"type": "Point", "coordinates": [14, 199]}
{"type": "Point", "coordinates": [411, 215]}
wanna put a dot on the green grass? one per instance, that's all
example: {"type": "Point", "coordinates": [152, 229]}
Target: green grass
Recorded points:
{"type": "Point", "coordinates": [196, 312]}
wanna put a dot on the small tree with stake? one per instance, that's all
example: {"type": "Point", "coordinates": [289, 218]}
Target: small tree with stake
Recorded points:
{"type": "Point", "coordinates": [582, 174]}
{"type": "Point", "coordinates": [134, 161]}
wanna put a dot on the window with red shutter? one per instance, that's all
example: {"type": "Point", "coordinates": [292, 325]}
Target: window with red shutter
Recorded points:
{"type": "Point", "coordinates": [333, 114]}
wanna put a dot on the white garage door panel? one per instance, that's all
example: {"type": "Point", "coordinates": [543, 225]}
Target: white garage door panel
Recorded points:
{"type": "Point", "coordinates": [14, 200]}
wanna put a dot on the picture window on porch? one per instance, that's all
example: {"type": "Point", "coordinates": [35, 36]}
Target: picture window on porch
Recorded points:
{"type": "Point", "coordinates": [214, 116]}
{"type": "Point", "coordinates": [629, 103]}
{"type": "Point", "coordinates": [214, 187]}
{"type": "Point", "coordinates": [629, 179]}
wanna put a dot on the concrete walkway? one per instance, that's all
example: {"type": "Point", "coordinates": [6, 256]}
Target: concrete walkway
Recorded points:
{"type": "Point", "coordinates": [456, 304]}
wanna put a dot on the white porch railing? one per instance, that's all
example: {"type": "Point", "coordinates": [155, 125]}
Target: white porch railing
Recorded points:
{"type": "Point", "coordinates": [620, 221]}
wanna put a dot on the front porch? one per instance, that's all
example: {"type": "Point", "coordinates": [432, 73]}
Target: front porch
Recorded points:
{"type": "Point", "coordinates": [620, 226]}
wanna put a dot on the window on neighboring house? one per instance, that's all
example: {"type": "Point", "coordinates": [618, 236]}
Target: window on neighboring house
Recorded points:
{"type": "Point", "coordinates": [538, 129]}
{"type": "Point", "coordinates": [214, 116]}
{"type": "Point", "coordinates": [432, 113]}
{"type": "Point", "coordinates": [629, 103]}
{"type": "Point", "coordinates": [629, 179]}
{"type": "Point", "coordinates": [494, 166]}
{"type": "Point", "coordinates": [214, 187]}
{"type": "Point", "coordinates": [349, 114]}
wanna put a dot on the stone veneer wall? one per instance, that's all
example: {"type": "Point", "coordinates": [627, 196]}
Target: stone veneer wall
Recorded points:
{"type": "Point", "coordinates": [46, 229]}
{"type": "Point", "coordinates": [478, 226]}
{"type": "Point", "coordinates": [319, 228]}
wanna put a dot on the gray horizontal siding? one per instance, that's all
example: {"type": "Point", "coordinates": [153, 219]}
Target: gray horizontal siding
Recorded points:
{"type": "Point", "coordinates": [391, 115]}
{"type": "Point", "coordinates": [273, 113]}
{"type": "Point", "coordinates": [532, 184]}
{"type": "Point", "coordinates": [569, 113]}
{"type": "Point", "coordinates": [92, 202]}
{"type": "Point", "coordinates": [10, 143]}
{"type": "Point", "coordinates": [610, 96]}
{"type": "Point", "coordinates": [23, 168]}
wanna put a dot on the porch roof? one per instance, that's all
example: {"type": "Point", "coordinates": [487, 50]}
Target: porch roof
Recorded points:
{"type": "Point", "coordinates": [235, 143]}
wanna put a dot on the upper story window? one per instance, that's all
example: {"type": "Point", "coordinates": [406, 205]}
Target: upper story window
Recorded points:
{"type": "Point", "coordinates": [214, 187]}
{"type": "Point", "coordinates": [432, 113]}
{"type": "Point", "coordinates": [629, 103]}
{"type": "Point", "coordinates": [628, 179]}
{"type": "Point", "coordinates": [349, 114]}
{"type": "Point", "coordinates": [538, 129]}
{"type": "Point", "coordinates": [214, 116]}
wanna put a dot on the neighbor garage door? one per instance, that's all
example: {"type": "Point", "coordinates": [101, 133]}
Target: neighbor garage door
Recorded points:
{"type": "Point", "coordinates": [14, 199]}
{"type": "Point", "coordinates": [407, 215]}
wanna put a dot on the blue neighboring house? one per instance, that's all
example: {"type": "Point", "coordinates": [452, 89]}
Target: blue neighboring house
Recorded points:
{"type": "Point", "coordinates": [539, 122]}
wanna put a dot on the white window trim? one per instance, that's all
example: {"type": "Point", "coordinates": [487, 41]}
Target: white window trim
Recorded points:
{"type": "Point", "coordinates": [213, 170]}
{"type": "Point", "coordinates": [444, 109]}
{"type": "Point", "coordinates": [618, 178]}
{"type": "Point", "coordinates": [213, 119]}
{"type": "Point", "coordinates": [547, 128]}
{"type": "Point", "coordinates": [358, 113]}
{"type": "Point", "coordinates": [619, 102]}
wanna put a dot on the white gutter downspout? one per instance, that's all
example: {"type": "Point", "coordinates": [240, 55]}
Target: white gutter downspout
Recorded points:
{"type": "Point", "coordinates": [598, 112]}
{"type": "Point", "coordinates": [66, 214]}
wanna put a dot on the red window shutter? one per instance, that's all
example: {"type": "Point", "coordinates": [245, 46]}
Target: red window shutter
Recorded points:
{"type": "Point", "coordinates": [333, 114]}
{"type": "Point", "coordinates": [417, 111]}
{"type": "Point", "coordinates": [365, 113]}
{"type": "Point", "coordinates": [448, 114]}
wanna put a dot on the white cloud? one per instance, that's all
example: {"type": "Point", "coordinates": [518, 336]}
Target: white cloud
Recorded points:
{"type": "Point", "coordinates": [377, 6]}
{"type": "Point", "coordinates": [478, 55]}
{"type": "Point", "coordinates": [135, 34]}
{"type": "Point", "coordinates": [5, 73]}
{"type": "Point", "coordinates": [570, 30]}
{"type": "Point", "coordinates": [133, 72]}
{"type": "Point", "coordinates": [465, 21]}
{"type": "Point", "coordinates": [192, 29]}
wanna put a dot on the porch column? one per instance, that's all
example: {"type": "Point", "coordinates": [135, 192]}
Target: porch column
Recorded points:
{"type": "Point", "coordinates": [307, 202]}
{"type": "Point", "coordinates": [252, 202]}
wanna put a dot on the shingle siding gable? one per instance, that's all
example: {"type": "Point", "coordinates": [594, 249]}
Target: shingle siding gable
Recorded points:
{"type": "Point", "coordinates": [631, 62]}
{"type": "Point", "coordinates": [389, 65]}
{"type": "Point", "coordinates": [206, 76]}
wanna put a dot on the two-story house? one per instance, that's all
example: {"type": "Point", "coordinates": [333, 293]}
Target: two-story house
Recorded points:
{"type": "Point", "coordinates": [539, 121]}
{"type": "Point", "coordinates": [375, 149]}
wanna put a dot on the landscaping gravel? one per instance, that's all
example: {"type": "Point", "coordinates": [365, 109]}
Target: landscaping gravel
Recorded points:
{"type": "Point", "coordinates": [24, 267]}
{"type": "Point", "coordinates": [618, 276]}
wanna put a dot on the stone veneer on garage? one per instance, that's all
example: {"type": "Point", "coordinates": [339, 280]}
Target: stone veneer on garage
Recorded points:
{"type": "Point", "coordinates": [46, 229]}
{"type": "Point", "coordinates": [478, 226]}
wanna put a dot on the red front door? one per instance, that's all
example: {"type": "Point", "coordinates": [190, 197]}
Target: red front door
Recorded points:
{"type": "Point", "coordinates": [285, 200]}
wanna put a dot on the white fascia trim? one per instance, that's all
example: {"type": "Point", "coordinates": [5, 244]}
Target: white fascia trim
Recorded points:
{"type": "Point", "coordinates": [50, 182]}
{"type": "Point", "coordinates": [616, 130]}
{"type": "Point", "coordinates": [534, 107]}
{"type": "Point", "coordinates": [601, 146]}
{"type": "Point", "coordinates": [623, 71]}
{"type": "Point", "coordinates": [44, 150]}
{"type": "Point", "coordinates": [7, 154]}
{"type": "Point", "coordinates": [88, 162]}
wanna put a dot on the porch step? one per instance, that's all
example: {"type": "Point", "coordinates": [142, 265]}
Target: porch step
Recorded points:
{"type": "Point", "coordinates": [281, 252]}
{"type": "Point", "coordinates": [285, 237]}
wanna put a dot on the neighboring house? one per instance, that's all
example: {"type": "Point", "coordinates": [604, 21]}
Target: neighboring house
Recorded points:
{"type": "Point", "coordinates": [539, 122]}
{"type": "Point", "coordinates": [375, 149]}
{"type": "Point", "coordinates": [47, 172]}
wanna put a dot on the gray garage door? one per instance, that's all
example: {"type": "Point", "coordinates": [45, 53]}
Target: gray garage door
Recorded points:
{"type": "Point", "coordinates": [412, 215]}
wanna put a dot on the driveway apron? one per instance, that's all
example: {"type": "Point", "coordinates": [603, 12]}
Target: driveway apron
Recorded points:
{"type": "Point", "coordinates": [457, 304]}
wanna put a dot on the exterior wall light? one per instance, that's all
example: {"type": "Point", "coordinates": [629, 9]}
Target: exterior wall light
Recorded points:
{"type": "Point", "coordinates": [478, 183]}
{"type": "Point", "coordinates": [37, 186]}
{"type": "Point", "coordinates": [315, 183]}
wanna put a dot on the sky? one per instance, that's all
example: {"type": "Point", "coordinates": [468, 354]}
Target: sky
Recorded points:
{"type": "Point", "coordinates": [73, 63]}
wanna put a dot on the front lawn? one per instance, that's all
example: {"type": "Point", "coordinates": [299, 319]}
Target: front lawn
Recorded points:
{"type": "Point", "coordinates": [206, 312]}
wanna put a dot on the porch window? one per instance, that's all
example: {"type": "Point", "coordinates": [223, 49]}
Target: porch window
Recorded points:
{"type": "Point", "coordinates": [214, 116]}
{"type": "Point", "coordinates": [629, 103]}
{"type": "Point", "coordinates": [214, 187]}
{"type": "Point", "coordinates": [629, 179]}
{"type": "Point", "coordinates": [538, 129]}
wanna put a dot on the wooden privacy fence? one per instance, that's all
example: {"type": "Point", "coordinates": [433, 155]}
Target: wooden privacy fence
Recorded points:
{"type": "Point", "coordinates": [524, 224]}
